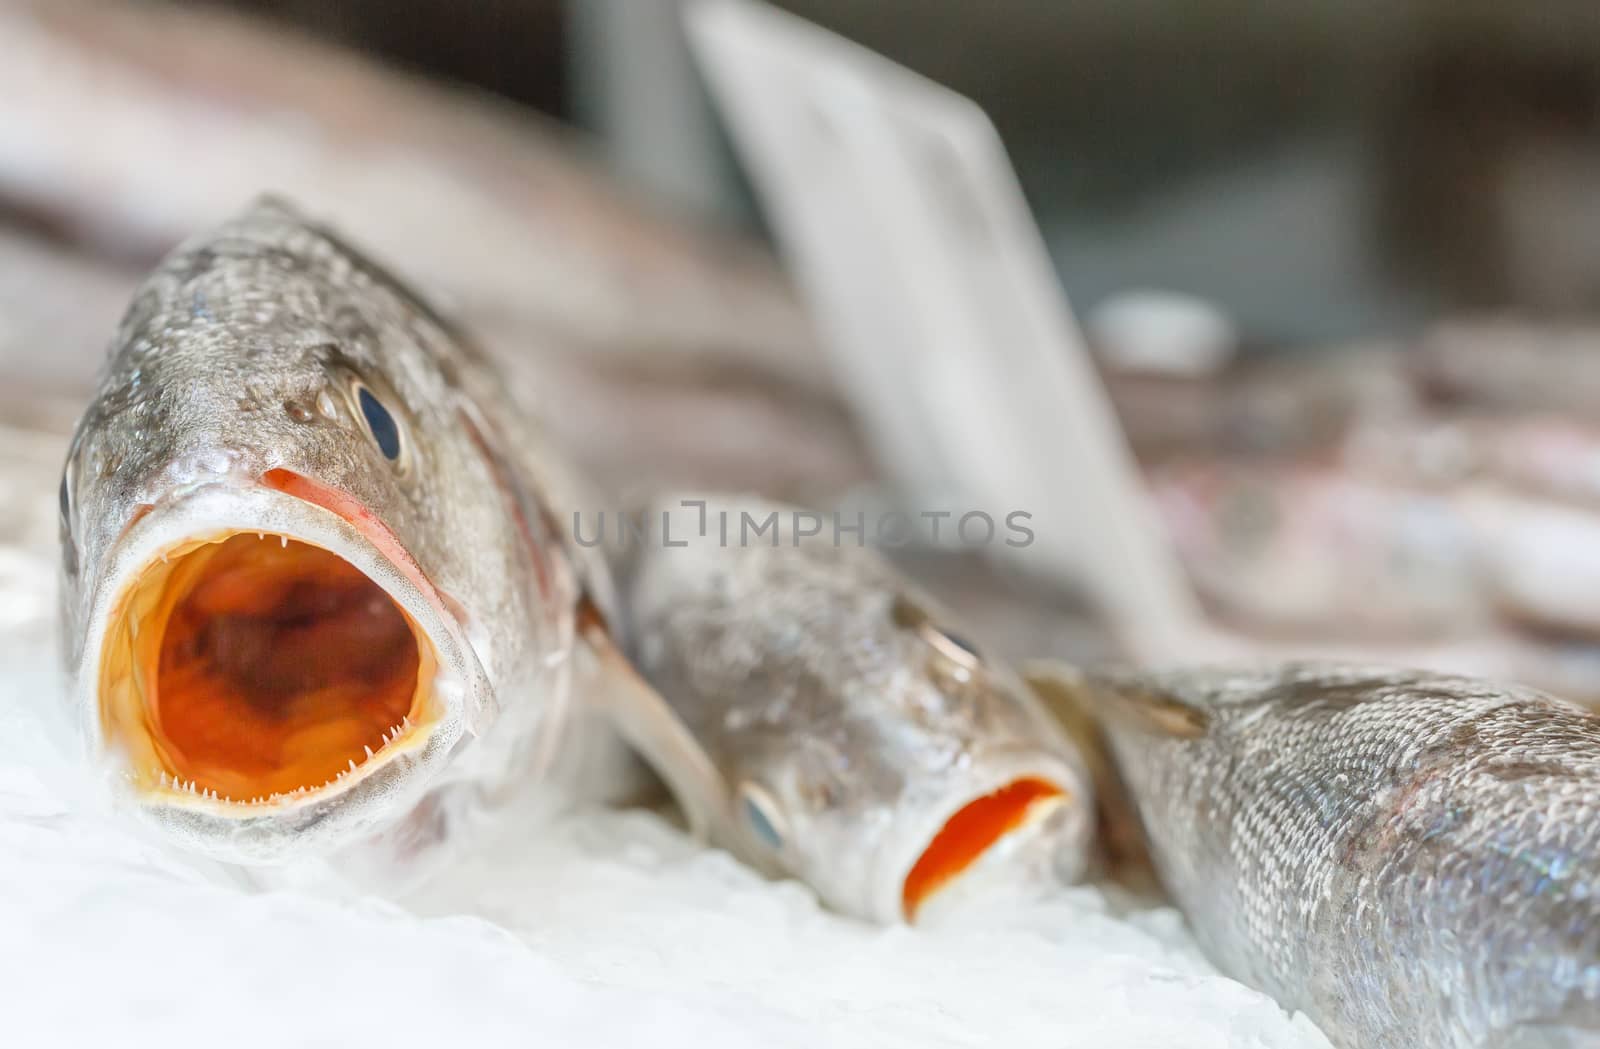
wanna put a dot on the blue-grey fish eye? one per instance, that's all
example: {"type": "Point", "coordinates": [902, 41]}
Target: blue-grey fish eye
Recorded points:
{"type": "Point", "coordinates": [761, 816]}
{"type": "Point", "coordinates": [380, 424]}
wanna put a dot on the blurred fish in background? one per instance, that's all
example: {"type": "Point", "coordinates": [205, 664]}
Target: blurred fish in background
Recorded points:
{"type": "Point", "coordinates": [1370, 425]}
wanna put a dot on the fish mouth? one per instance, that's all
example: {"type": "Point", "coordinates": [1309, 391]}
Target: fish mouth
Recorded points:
{"type": "Point", "coordinates": [267, 648]}
{"type": "Point", "coordinates": [975, 827]}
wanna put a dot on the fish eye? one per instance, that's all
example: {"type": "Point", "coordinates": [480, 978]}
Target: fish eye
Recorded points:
{"type": "Point", "coordinates": [380, 422]}
{"type": "Point", "coordinates": [761, 816]}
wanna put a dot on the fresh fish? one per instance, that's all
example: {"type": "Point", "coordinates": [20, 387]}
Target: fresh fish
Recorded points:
{"type": "Point", "coordinates": [1507, 364]}
{"type": "Point", "coordinates": [621, 416]}
{"type": "Point", "coordinates": [1534, 454]}
{"type": "Point", "coordinates": [1300, 550]}
{"type": "Point", "coordinates": [315, 573]}
{"type": "Point", "coordinates": [1410, 859]}
{"type": "Point", "coordinates": [1262, 407]}
{"type": "Point", "coordinates": [859, 742]}
{"type": "Point", "coordinates": [519, 229]}
{"type": "Point", "coordinates": [1296, 550]}
{"type": "Point", "coordinates": [1540, 560]}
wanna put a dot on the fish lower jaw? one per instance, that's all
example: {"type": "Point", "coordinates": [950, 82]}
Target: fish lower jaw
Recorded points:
{"type": "Point", "coordinates": [178, 793]}
{"type": "Point", "coordinates": [248, 672]}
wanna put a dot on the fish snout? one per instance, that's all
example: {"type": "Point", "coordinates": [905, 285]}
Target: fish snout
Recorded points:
{"type": "Point", "coordinates": [1021, 821]}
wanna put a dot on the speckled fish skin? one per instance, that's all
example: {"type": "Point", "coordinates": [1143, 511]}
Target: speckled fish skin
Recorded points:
{"type": "Point", "coordinates": [231, 362]}
{"type": "Point", "coordinates": [861, 737]}
{"type": "Point", "coordinates": [1410, 859]}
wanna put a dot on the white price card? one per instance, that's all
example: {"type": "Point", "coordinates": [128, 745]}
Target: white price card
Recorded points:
{"type": "Point", "coordinates": [900, 216]}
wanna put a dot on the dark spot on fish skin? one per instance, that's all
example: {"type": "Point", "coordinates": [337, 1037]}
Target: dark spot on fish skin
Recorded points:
{"type": "Point", "coordinates": [314, 817]}
{"type": "Point", "coordinates": [1371, 840]}
{"type": "Point", "coordinates": [1471, 745]}
{"type": "Point", "coordinates": [450, 373]}
{"type": "Point", "coordinates": [106, 465]}
{"type": "Point", "coordinates": [333, 357]}
{"type": "Point", "coordinates": [196, 264]}
{"type": "Point", "coordinates": [299, 412]}
{"type": "Point", "coordinates": [1520, 769]}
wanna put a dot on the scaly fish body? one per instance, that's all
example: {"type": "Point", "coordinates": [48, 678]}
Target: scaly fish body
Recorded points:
{"type": "Point", "coordinates": [860, 743]}
{"type": "Point", "coordinates": [310, 565]}
{"type": "Point", "coordinates": [1411, 859]}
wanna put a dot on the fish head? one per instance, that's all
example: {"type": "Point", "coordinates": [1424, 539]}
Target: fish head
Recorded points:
{"type": "Point", "coordinates": [867, 747]}
{"type": "Point", "coordinates": [270, 514]}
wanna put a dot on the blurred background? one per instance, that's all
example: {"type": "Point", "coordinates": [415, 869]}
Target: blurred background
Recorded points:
{"type": "Point", "coordinates": [1339, 261]}
{"type": "Point", "coordinates": [1323, 169]}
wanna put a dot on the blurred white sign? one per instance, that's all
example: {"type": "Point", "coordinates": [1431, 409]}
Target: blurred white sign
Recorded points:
{"type": "Point", "coordinates": [900, 216]}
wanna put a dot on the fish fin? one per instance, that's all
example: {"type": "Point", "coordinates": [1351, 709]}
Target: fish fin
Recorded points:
{"type": "Point", "coordinates": [1069, 696]}
{"type": "Point", "coordinates": [1064, 691]}
{"type": "Point", "coordinates": [642, 716]}
{"type": "Point", "coordinates": [1073, 696]}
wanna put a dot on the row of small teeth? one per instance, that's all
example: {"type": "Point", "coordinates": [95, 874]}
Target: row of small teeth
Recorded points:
{"type": "Point", "coordinates": [283, 541]}
{"type": "Point", "coordinates": [190, 787]}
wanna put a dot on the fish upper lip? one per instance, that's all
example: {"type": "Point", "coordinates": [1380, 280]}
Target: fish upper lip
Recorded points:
{"type": "Point", "coordinates": [173, 502]}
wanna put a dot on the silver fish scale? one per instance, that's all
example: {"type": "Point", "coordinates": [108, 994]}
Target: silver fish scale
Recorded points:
{"type": "Point", "coordinates": [847, 724]}
{"type": "Point", "coordinates": [1409, 859]}
{"type": "Point", "coordinates": [822, 652]}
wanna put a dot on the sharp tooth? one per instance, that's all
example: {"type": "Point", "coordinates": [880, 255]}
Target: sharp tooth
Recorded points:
{"type": "Point", "coordinates": [261, 536]}
{"type": "Point", "coordinates": [353, 762]}
{"type": "Point", "coordinates": [284, 540]}
{"type": "Point", "coordinates": [369, 752]}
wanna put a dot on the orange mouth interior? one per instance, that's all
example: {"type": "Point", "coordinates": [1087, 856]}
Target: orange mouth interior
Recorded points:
{"type": "Point", "coordinates": [969, 834]}
{"type": "Point", "coordinates": [253, 666]}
